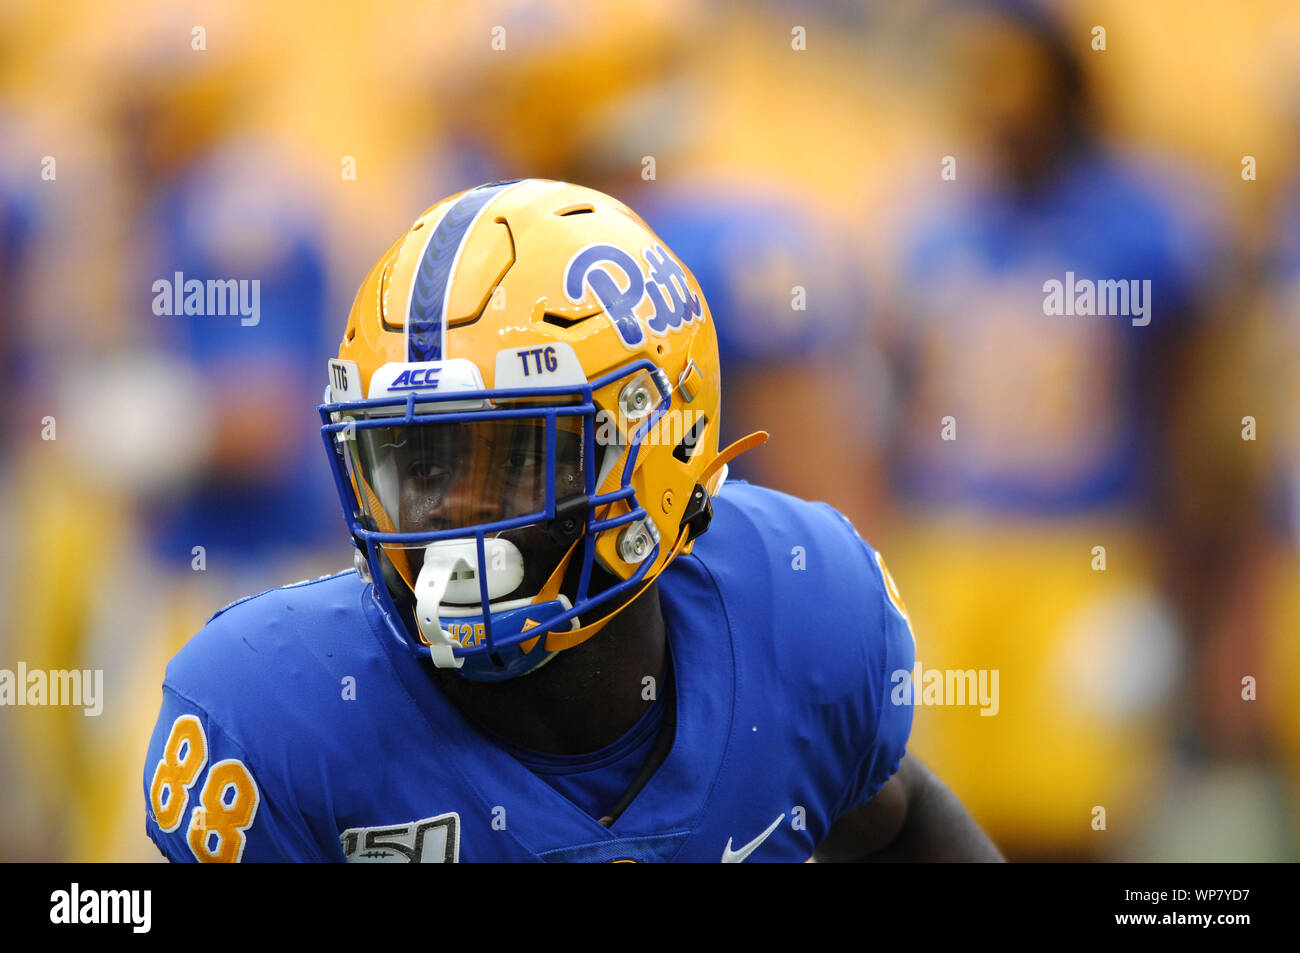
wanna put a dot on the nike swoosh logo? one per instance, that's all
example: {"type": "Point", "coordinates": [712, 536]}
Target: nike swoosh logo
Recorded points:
{"type": "Point", "coordinates": [730, 856]}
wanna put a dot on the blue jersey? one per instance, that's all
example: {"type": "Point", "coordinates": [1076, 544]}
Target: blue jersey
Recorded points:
{"type": "Point", "coordinates": [1053, 408]}
{"type": "Point", "coordinates": [238, 214]}
{"type": "Point", "coordinates": [295, 727]}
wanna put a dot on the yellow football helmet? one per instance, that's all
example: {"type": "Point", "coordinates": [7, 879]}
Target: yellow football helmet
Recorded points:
{"type": "Point", "coordinates": [523, 422]}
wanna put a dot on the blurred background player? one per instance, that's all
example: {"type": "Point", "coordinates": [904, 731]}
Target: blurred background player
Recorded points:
{"type": "Point", "coordinates": [1062, 429]}
{"type": "Point", "coordinates": [187, 459]}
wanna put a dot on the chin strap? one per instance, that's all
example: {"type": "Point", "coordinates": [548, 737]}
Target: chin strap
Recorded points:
{"type": "Point", "coordinates": [716, 465]}
{"type": "Point", "coordinates": [550, 590]}
{"type": "Point", "coordinates": [558, 641]}
{"type": "Point", "coordinates": [711, 478]}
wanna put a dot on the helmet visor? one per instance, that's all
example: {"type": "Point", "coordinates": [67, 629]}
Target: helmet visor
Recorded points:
{"type": "Point", "coordinates": [432, 477]}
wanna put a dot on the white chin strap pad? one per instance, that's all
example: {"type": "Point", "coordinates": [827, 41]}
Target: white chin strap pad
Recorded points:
{"type": "Point", "coordinates": [450, 574]}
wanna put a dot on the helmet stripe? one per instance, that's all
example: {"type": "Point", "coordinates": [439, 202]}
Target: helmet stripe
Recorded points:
{"type": "Point", "coordinates": [426, 327]}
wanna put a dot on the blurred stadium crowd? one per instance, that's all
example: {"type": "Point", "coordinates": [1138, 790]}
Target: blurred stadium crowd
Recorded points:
{"type": "Point", "coordinates": [129, 155]}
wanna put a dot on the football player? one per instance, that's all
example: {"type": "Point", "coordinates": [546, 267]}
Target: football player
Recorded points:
{"type": "Point", "coordinates": [567, 637]}
{"type": "Point", "coordinates": [1069, 432]}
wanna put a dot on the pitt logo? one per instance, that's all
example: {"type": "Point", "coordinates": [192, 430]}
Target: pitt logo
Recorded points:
{"type": "Point", "coordinates": [620, 284]}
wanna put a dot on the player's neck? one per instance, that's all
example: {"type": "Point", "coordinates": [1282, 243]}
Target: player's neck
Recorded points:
{"type": "Point", "coordinates": [583, 699]}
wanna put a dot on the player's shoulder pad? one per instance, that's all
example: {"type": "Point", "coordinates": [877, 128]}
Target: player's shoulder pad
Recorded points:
{"type": "Point", "coordinates": [835, 613]}
{"type": "Point", "coordinates": [238, 701]}
{"type": "Point", "coordinates": [834, 628]}
{"type": "Point", "coordinates": [261, 655]}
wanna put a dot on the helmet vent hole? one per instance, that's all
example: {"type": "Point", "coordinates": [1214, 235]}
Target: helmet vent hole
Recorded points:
{"type": "Point", "coordinates": [560, 321]}
{"type": "Point", "coordinates": [690, 443]}
{"type": "Point", "coordinates": [659, 349]}
{"type": "Point", "coordinates": [574, 210]}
